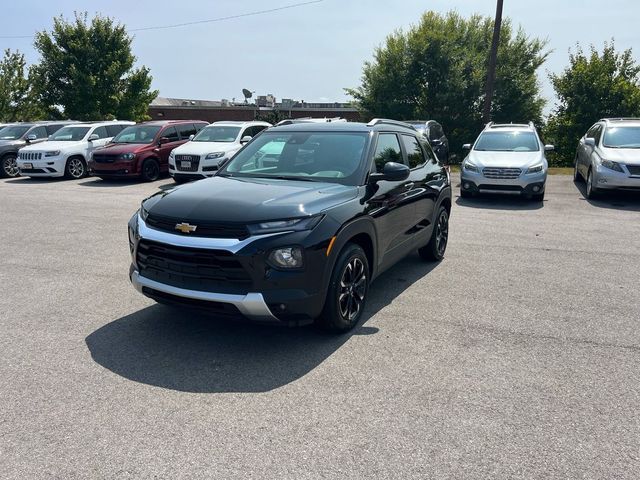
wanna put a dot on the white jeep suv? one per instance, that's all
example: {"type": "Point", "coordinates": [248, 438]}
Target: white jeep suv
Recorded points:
{"type": "Point", "coordinates": [214, 144]}
{"type": "Point", "coordinates": [67, 151]}
{"type": "Point", "coordinates": [506, 158]}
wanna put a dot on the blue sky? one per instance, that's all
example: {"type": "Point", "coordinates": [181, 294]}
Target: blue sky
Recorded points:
{"type": "Point", "coordinates": [310, 52]}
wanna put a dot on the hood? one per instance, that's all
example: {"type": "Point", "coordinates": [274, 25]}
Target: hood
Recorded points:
{"type": "Point", "coordinates": [203, 148]}
{"type": "Point", "coordinates": [629, 156]}
{"type": "Point", "coordinates": [10, 143]}
{"type": "Point", "coordinates": [245, 200]}
{"type": "Point", "coordinates": [48, 145]}
{"type": "Point", "coordinates": [505, 159]}
{"type": "Point", "coordinates": [120, 148]}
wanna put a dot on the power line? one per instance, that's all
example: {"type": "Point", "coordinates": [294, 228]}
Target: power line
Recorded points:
{"type": "Point", "coordinates": [212, 20]}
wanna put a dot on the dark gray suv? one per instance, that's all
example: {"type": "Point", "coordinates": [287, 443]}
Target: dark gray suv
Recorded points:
{"type": "Point", "coordinates": [14, 136]}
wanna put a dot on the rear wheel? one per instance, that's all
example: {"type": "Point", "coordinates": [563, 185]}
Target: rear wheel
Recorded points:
{"type": "Point", "coordinates": [150, 170]}
{"type": "Point", "coordinates": [347, 292]}
{"type": "Point", "coordinates": [9, 166]}
{"type": "Point", "coordinates": [75, 168]}
{"type": "Point", "coordinates": [435, 249]}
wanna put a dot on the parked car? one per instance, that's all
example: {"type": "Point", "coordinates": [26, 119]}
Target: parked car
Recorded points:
{"type": "Point", "coordinates": [289, 121]}
{"type": "Point", "coordinates": [434, 134]}
{"type": "Point", "coordinates": [506, 158]}
{"type": "Point", "coordinates": [66, 152]}
{"type": "Point", "coordinates": [142, 151]}
{"type": "Point", "coordinates": [608, 156]}
{"type": "Point", "coordinates": [296, 225]}
{"type": "Point", "coordinates": [213, 145]}
{"type": "Point", "coordinates": [16, 135]}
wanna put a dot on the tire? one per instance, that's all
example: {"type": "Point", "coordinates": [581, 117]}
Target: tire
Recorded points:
{"type": "Point", "coordinates": [576, 174]}
{"type": "Point", "coordinates": [150, 170]}
{"type": "Point", "coordinates": [75, 168]}
{"type": "Point", "coordinates": [9, 167]}
{"type": "Point", "coordinates": [592, 191]}
{"type": "Point", "coordinates": [434, 250]}
{"type": "Point", "coordinates": [347, 292]}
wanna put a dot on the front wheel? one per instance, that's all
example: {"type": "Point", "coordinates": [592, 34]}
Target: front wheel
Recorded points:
{"type": "Point", "coordinates": [576, 173]}
{"type": "Point", "coordinates": [347, 292]}
{"type": "Point", "coordinates": [9, 167]}
{"type": "Point", "coordinates": [434, 250]}
{"type": "Point", "coordinates": [75, 168]}
{"type": "Point", "coordinates": [150, 170]}
{"type": "Point", "coordinates": [592, 190]}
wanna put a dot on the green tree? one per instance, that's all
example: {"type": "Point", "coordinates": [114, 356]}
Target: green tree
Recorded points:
{"type": "Point", "coordinates": [593, 86]}
{"type": "Point", "coordinates": [86, 71]}
{"type": "Point", "coordinates": [437, 70]}
{"type": "Point", "coordinates": [17, 98]}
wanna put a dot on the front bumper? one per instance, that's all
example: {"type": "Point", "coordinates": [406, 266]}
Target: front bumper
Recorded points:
{"type": "Point", "coordinates": [119, 169]}
{"type": "Point", "coordinates": [205, 169]}
{"type": "Point", "coordinates": [48, 167]}
{"type": "Point", "coordinates": [525, 184]}
{"type": "Point", "coordinates": [605, 178]}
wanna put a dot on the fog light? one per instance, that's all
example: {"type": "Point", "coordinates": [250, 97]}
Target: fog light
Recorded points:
{"type": "Point", "coordinates": [536, 189]}
{"type": "Point", "coordinates": [602, 180]}
{"type": "Point", "coordinates": [466, 185]}
{"type": "Point", "coordinates": [287, 257]}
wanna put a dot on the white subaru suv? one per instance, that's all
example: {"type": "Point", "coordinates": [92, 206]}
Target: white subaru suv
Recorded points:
{"type": "Point", "coordinates": [214, 144]}
{"type": "Point", "coordinates": [506, 158]}
{"type": "Point", "coordinates": [67, 151]}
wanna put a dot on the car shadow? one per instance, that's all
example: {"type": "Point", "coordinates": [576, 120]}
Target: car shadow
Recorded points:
{"type": "Point", "coordinates": [116, 182]}
{"type": "Point", "coordinates": [614, 199]}
{"type": "Point", "coordinates": [194, 352]}
{"type": "Point", "coordinates": [499, 202]}
{"type": "Point", "coordinates": [34, 180]}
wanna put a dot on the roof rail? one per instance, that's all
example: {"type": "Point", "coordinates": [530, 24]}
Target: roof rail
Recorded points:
{"type": "Point", "coordinates": [488, 125]}
{"type": "Point", "coordinates": [619, 118]}
{"type": "Point", "coordinates": [386, 121]}
{"type": "Point", "coordinates": [532, 125]}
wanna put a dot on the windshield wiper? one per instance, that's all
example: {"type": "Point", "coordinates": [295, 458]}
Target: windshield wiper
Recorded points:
{"type": "Point", "coordinates": [285, 177]}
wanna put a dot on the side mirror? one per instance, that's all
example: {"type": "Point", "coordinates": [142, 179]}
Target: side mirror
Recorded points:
{"type": "Point", "coordinates": [163, 140]}
{"type": "Point", "coordinates": [549, 148]}
{"type": "Point", "coordinates": [466, 146]}
{"type": "Point", "coordinates": [590, 141]}
{"type": "Point", "coordinates": [31, 137]}
{"type": "Point", "coordinates": [93, 137]}
{"type": "Point", "coordinates": [246, 139]}
{"type": "Point", "coordinates": [392, 172]}
{"type": "Point", "coordinates": [191, 137]}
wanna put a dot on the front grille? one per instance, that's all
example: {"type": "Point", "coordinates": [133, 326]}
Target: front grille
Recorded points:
{"type": "Point", "coordinates": [30, 155]}
{"type": "Point", "coordinates": [501, 173]}
{"type": "Point", "coordinates": [193, 163]}
{"type": "Point", "coordinates": [203, 229]}
{"type": "Point", "coordinates": [104, 158]}
{"type": "Point", "coordinates": [634, 169]}
{"type": "Point", "coordinates": [192, 268]}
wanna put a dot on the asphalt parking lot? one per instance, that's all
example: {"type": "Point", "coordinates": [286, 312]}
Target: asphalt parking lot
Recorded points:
{"type": "Point", "coordinates": [518, 356]}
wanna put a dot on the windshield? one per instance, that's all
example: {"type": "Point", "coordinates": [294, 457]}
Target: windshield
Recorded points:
{"type": "Point", "coordinates": [312, 156]}
{"type": "Point", "coordinates": [13, 132]}
{"type": "Point", "coordinates": [617, 137]}
{"type": "Point", "coordinates": [137, 134]}
{"type": "Point", "coordinates": [217, 134]}
{"type": "Point", "coordinates": [69, 134]}
{"type": "Point", "coordinates": [513, 141]}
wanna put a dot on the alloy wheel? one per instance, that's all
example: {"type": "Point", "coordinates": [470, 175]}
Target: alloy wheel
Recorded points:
{"type": "Point", "coordinates": [589, 184]}
{"type": "Point", "coordinates": [151, 171]}
{"type": "Point", "coordinates": [353, 287]}
{"type": "Point", "coordinates": [442, 233]}
{"type": "Point", "coordinates": [10, 167]}
{"type": "Point", "coordinates": [76, 168]}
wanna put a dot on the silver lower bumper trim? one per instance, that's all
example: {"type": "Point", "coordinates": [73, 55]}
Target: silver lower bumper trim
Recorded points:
{"type": "Point", "coordinates": [251, 305]}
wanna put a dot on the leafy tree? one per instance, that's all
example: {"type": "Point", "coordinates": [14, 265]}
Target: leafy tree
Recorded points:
{"type": "Point", "coordinates": [593, 86]}
{"type": "Point", "coordinates": [17, 99]}
{"type": "Point", "coordinates": [437, 70]}
{"type": "Point", "coordinates": [86, 71]}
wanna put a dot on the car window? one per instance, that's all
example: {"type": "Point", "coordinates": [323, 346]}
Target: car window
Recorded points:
{"type": "Point", "coordinates": [592, 132]}
{"type": "Point", "coordinates": [509, 141]}
{"type": "Point", "coordinates": [598, 133]}
{"type": "Point", "coordinates": [434, 134]}
{"type": "Point", "coordinates": [217, 133]}
{"type": "Point", "coordinates": [254, 130]}
{"type": "Point", "coordinates": [113, 130]}
{"type": "Point", "coordinates": [171, 133]}
{"type": "Point", "coordinates": [51, 129]}
{"type": "Point", "coordinates": [186, 130]}
{"type": "Point", "coordinates": [137, 134]}
{"type": "Point", "coordinates": [101, 132]}
{"type": "Point", "coordinates": [316, 156]}
{"type": "Point", "coordinates": [387, 150]}
{"type": "Point", "coordinates": [39, 132]}
{"type": "Point", "coordinates": [414, 152]}
{"type": "Point", "coordinates": [200, 126]}
{"type": "Point", "coordinates": [622, 137]}
{"type": "Point", "coordinates": [70, 134]}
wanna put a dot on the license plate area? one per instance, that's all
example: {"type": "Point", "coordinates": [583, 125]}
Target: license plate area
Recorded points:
{"type": "Point", "coordinates": [185, 164]}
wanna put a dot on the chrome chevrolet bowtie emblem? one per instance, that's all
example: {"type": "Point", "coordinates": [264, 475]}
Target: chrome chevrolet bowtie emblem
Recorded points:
{"type": "Point", "coordinates": [185, 227]}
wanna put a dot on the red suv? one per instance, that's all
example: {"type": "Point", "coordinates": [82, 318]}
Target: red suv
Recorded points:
{"type": "Point", "coordinates": [142, 150]}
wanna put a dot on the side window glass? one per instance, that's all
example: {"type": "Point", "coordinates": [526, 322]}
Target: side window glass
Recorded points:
{"type": "Point", "coordinates": [257, 129]}
{"type": "Point", "coordinates": [113, 130]}
{"type": "Point", "coordinates": [387, 150]}
{"type": "Point", "coordinates": [591, 133]}
{"type": "Point", "coordinates": [186, 130]}
{"type": "Point", "coordinates": [39, 132]}
{"type": "Point", "coordinates": [101, 132]}
{"type": "Point", "coordinates": [414, 152]}
{"type": "Point", "coordinates": [199, 126]}
{"type": "Point", "coordinates": [249, 131]}
{"type": "Point", "coordinates": [171, 133]}
{"type": "Point", "coordinates": [433, 133]}
{"type": "Point", "coordinates": [598, 134]}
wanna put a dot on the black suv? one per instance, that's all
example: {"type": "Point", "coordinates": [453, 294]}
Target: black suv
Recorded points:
{"type": "Point", "coordinates": [434, 134]}
{"type": "Point", "coordinates": [296, 225]}
{"type": "Point", "coordinates": [16, 135]}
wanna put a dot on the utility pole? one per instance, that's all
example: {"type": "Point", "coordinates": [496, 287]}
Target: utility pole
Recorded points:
{"type": "Point", "coordinates": [493, 57]}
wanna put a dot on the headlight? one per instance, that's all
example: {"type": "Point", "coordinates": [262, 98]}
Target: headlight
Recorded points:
{"type": "Point", "coordinates": [213, 156]}
{"type": "Point", "coordinates": [611, 165]}
{"type": "Point", "coordinates": [286, 257]}
{"type": "Point", "coordinates": [471, 167]}
{"type": "Point", "coordinates": [292, 225]}
{"type": "Point", "coordinates": [536, 168]}
{"type": "Point", "coordinates": [172, 154]}
{"type": "Point", "coordinates": [128, 156]}
{"type": "Point", "coordinates": [52, 153]}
